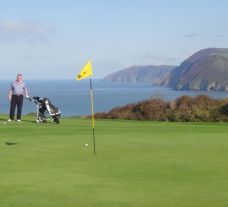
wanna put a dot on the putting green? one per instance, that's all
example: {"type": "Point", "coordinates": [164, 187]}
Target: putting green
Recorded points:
{"type": "Point", "coordinates": [137, 164]}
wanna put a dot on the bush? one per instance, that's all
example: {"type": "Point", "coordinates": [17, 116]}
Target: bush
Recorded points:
{"type": "Point", "coordinates": [184, 108]}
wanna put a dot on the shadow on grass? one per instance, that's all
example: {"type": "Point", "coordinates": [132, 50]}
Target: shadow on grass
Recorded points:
{"type": "Point", "coordinates": [26, 120]}
{"type": "Point", "coordinates": [23, 120]}
{"type": "Point", "coordinates": [10, 143]}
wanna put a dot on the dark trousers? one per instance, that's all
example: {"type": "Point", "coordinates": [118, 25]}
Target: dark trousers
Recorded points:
{"type": "Point", "coordinates": [16, 100]}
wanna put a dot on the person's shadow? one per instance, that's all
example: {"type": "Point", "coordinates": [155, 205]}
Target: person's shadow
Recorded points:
{"type": "Point", "coordinates": [24, 120]}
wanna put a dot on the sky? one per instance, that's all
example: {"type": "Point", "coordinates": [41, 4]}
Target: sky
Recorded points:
{"type": "Point", "coordinates": [53, 39]}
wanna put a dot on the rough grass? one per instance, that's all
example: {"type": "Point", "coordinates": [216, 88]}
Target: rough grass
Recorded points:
{"type": "Point", "coordinates": [137, 164]}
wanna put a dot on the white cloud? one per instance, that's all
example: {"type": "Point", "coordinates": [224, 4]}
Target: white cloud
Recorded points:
{"type": "Point", "coordinates": [13, 30]}
{"type": "Point", "coordinates": [191, 35]}
{"type": "Point", "coordinates": [219, 36]}
{"type": "Point", "coordinates": [199, 35]}
{"type": "Point", "coordinates": [160, 59]}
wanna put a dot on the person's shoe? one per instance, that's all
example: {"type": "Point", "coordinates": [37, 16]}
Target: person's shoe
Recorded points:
{"type": "Point", "coordinates": [18, 120]}
{"type": "Point", "coordinates": [9, 120]}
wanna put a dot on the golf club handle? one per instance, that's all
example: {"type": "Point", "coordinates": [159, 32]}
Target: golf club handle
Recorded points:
{"type": "Point", "coordinates": [28, 98]}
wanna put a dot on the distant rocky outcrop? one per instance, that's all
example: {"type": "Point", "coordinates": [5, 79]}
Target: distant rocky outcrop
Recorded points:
{"type": "Point", "coordinates": [143, 74]}
{"type": "Point", "coordinates": [205, 70]}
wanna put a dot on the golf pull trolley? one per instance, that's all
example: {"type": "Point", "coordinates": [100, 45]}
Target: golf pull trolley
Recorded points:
{"type": "Point", "coordinates": [43, 108]}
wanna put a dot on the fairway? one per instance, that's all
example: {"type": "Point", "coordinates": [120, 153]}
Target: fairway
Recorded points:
{"type": "Point", "coordinates": [137, 164]}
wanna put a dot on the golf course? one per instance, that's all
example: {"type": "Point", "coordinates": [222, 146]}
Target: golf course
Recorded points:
{"type": "Point", "coordinates": [137, 163]}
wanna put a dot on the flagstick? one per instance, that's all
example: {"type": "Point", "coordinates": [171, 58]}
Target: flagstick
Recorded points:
{"type": "Point", "coordinates": [92, 111]}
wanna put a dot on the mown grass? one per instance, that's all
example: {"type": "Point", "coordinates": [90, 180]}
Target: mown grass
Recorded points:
{"type": "Point", "coordinates": [137, 164]}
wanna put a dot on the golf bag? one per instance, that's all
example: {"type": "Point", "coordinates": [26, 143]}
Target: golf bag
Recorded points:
{"type": "Point", "coordinates": [44, 107]}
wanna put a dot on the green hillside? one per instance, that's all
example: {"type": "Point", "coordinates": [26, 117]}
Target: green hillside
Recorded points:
{"type": "Point", "coordinates": [137, 164]}
{"type": "Point", "coordinates": [154, 74]}
{"type": "Point", "coordinates": [205, 70]}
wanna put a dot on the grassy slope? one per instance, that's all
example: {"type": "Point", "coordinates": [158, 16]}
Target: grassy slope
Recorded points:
{"type": "Point", "coordinates": [137, 164]}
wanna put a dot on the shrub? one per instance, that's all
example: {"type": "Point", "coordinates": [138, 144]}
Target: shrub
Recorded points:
{"type": "Point", "coordinates": [184, 108]}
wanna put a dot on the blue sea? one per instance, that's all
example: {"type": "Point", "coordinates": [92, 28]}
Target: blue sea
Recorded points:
{"type": "Point", "coordinates": [73, 97]}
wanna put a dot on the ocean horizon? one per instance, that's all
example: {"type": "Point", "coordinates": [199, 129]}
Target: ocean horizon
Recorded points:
{"type": "Point", "coordinates": [73, 97]}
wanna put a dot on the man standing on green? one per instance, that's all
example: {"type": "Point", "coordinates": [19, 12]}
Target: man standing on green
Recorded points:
{"type": "Point", "coordinates": [16, 93]}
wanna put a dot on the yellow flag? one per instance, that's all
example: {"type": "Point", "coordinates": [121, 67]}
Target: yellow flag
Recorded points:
{"type": "Point", "coordinates": [86, 71]}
